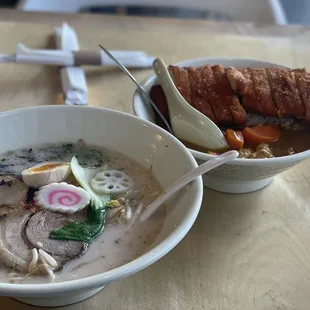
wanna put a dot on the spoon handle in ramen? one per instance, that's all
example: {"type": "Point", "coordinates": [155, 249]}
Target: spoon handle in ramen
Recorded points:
{"type": "Point", "coordinates": [187, 178]}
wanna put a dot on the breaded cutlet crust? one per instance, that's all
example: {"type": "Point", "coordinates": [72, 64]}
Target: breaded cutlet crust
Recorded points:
{"type": "Point", "coordinates": [221, 112]}
{"type": "Point", "coordinates": [299, 70]}
{"type": "Point", "coordinates": [250, 101]}
{"type": "Point", "coordinates": [272, 91]}
{"type": "Point", "coordinates": [237, 81]}
{"type": "Point", "coordinates": [227, 97]}
{"type": "Point", "coordinates": [263, 92]}
{"type": "Point", "coordinates": [285, 92]}
{"type": "Point", "coordinates": [198, 97]}
{"type": "Point", "coordinates": [303, 85]}
{"type": "Point", "coordinates": [180, 78]}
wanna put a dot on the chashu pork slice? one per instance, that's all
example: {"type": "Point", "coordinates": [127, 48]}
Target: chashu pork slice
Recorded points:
{"type": "Point", "coordinates": [13, 191]}
{"type": "Point", "coordinates": [14, 252]}
{"type": "Point", "coordinates": [38, 229]}
{"type": "Point", "coordinates": [22, 230]}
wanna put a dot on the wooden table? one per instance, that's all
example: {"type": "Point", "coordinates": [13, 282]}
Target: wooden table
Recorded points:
{"type": "Point", "coordinates": [245, 251]}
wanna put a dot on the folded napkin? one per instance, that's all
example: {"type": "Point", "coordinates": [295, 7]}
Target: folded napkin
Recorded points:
{"type": "Point", "coordinates": [73, 79]}
{"type": "Point", "coordinates": [60, 57]}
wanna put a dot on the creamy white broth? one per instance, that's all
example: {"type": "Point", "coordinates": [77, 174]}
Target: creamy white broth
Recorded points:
{"type": "Point", "coordinates": [120, 242]}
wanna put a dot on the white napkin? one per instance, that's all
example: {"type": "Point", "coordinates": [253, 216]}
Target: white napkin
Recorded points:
{"type": "Point", "coordinates": [60, 57]}
{"type": "Point", "coordinates": [72, 78]}
{"type": "Point", "coordinates": [45, 57]}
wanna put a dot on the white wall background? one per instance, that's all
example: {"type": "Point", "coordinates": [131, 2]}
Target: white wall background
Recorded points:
{"type": "Point", "coordinates": [297, 11]}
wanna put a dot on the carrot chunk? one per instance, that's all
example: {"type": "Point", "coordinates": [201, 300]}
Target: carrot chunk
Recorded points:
{"type": "Point", "coordinates": [234, 139]}
{"type": "Point", "coordinates": [261, 134]}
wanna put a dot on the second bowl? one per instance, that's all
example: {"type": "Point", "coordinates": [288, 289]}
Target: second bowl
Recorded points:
{"type": "Point", "coordinates": [242, 175]}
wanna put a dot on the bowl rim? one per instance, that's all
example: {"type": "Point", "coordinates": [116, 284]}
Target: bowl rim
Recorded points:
{"type": "Point", "coordinates": [143, 261]}
{"type": "Point", "coordinates": [204, 156]}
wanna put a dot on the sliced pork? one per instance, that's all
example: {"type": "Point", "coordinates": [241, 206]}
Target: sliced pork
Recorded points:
{"type": "Point", "coordinates": [211, 89]}
{"type": "Point", "coordinates": [303, 85]}
{"type": "Point", "coordinates": [199, 98]}
{"type": "Point", "coordinates": [250, 101]}
{"type": "Point", "coordinates": [227, 95]}
{"type": "Point", "coordinates": [13, 191]}
{"type": "Point", "coordinates": [285, 93]}
{"type": "Point", "coordinates": [180, 78]}
{"type": "Point", "coordinates": [237, 81]}
{"type": "Point", "coordinates": [38, 230]}
{"type": "Point", "coordinates": [263, 92]}
{"type": "Point", "coordinates": [14, 252]}
{"type": "Point", "coordinates": [22, 230]}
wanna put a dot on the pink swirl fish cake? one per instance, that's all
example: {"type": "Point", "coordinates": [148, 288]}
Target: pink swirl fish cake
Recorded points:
{"type": "Point", "coordinates": [62, 197]}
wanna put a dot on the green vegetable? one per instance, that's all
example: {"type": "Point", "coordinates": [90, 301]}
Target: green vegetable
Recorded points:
{"type": "Point", "coordinates": [88, 230]}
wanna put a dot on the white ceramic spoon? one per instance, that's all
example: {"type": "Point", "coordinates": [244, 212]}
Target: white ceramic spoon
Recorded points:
{"type": "Point", "coordinates": [187, 178]}
{"type": "Point", "coordinates": [187, 123]}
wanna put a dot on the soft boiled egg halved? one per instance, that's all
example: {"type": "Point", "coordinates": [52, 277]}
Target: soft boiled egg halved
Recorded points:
{"type": "Point", "coordinates": [46, 173]}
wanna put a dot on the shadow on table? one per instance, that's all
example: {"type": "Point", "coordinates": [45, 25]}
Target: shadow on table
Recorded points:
{"type": "Point", "coordinates": [155, 11]}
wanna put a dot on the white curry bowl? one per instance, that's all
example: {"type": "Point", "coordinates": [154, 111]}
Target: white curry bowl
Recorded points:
{"type": "Point", "coordinates": [240, 175]}
{"type": "Point", "coordinates": [140, 140]}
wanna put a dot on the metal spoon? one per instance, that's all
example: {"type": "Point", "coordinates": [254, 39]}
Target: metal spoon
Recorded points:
{"type": "Point", "coordinates": [187, 178]}
{"type": "Point", "coordinates": [188, 123]}
{"type": "Point", "coordinates": [142, 91]}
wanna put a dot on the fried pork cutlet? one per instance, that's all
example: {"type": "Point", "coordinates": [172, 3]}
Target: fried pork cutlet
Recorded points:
{"type": "Point", "coordinates": [215, 91]}
{"type": "Point", "coordinates": [237, 81]}
{"type": "Point", "coordinates": [227, 97]}
{"type": "Point", "coordinates": [250, 101]}
{"type": "Point", "coordinates": [284, 92]}
{"type": "Point", "coordinates": [303, 85]}
{"type": "Point", "coordinates": [210, 87]}
{"type": "Point", "coordinates": [263, 92]}
{"type": "Point", "coordinates": [199, 98]}
{"type": "Point", "coordinates": [180, 78]}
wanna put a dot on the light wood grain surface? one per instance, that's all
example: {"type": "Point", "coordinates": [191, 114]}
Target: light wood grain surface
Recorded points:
{"type": "Point", "coordinates": [245, 251]}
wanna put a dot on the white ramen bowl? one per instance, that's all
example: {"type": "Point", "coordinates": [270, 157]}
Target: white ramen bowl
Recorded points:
{"type": "Point", "coordinates": [138, 139]}
{"type": "Point", "coordinates": [240, 175]}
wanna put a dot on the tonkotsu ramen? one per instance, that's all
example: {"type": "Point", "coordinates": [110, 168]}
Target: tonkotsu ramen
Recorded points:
{"type": "Point", "coordinates": [70, 210]}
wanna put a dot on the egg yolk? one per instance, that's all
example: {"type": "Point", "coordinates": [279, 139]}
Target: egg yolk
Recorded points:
{"type": "Point", "coordinates": [46, 167]}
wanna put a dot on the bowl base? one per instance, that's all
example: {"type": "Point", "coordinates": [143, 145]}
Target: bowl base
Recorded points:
{"type": "Point", "coordinates": [59, 301]}
{"type": "Point", "coordinates": [234, 187]}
